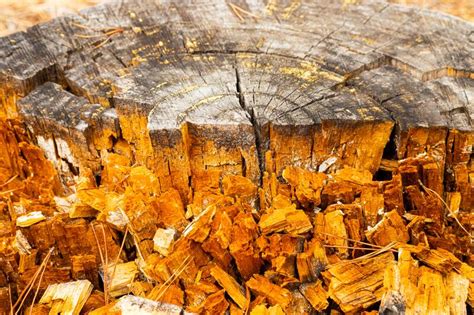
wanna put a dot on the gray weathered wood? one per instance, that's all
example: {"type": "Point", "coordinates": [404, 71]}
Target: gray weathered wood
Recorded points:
{"type": "Point", "coordinates": [206, 81]}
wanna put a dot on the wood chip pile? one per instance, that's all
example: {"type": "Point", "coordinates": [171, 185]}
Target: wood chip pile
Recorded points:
{"type": "Point", "coordinates": [321, 241]}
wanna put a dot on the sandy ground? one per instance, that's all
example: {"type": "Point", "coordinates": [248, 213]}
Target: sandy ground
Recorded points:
{"type": "Point", "coordinates": [16, 15]}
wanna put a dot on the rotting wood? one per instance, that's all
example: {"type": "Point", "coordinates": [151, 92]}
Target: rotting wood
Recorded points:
{"type": "Point", "coordinates": [357, 285]}
{"type": "Point", "coordinates": [231, 286]}
{"type": "Point", "coordinates": [130, 304]}
{"type": "Point", "coordinates": [120, 277]}
{"type": "Point", "coordinates": [244, 157]}
{"type": "Point", "coordinates": [273, 293]}
{"type": "Point", "coordinates": [315, 294]}
{"type": "Point", "coordinates": [412, 289]}
{"type": "Point", "coordinates": [67, 298]}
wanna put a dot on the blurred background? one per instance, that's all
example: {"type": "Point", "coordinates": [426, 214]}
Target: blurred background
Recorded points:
{"type": "Point", "coordinates": [17, 15]}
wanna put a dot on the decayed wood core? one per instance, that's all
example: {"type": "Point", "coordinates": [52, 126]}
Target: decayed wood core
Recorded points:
{"type": "Point", "coordinates": [241, 156]}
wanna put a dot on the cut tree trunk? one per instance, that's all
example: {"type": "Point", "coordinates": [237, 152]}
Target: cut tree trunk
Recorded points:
{"type": "Point", "coordinates": [266, 141]}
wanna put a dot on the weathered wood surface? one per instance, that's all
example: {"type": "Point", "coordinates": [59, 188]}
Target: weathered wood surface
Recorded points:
{"type": "Point", "coordinates": [340, 122]}
{"type": "Point", "coordinates": [229, 81]}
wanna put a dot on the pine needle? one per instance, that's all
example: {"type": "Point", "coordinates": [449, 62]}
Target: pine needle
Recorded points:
{"type": "Point", "coordinates": [26, 291]}
{"type": "Point", "coordinates": [433, 192]}
{"type": "Point", "coordinates": [88, 36]}
{"type": "Point", "coordinates": [164, 287]}
{"type": "Point", "coordinates": [232, 6]}
{"type": "Point", "coordinates": [81, 26]}
{"type": "Point", "coordinates": [101, 259]}
{"type": "Point", "coordinates": [386, 248]}
{"type": "Point", "coordinates": [10, 298]}
{"type": "Point", "coordinates": [350, 247]}
{"type": "Point", "coordinates": [6, 192]}
{"type": "Point", "coordinates": [118, 256]}
{"type": "Point", "coordinates": [172, 280]}
{"type": "Point", "coordinates": [237, 10]}
{"type": "Point", "coordinates": [9, 181]}
{"type": "Point", "coordinates": [38, 288]}
{"type": "Point", "coordinates": [377, 252]}
{"type": "Point", "coordinates": [106, 281]}
{"type": "Point", "coordinates": [137, 241]}
{"type": "Point", "coordinates": [102, 43]}
{"type": "Point", "coordinates": [349, 239]}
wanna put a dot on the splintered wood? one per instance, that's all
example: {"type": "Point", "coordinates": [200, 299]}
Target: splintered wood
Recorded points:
{"type": "Point", "coordinates": [209, 157]}
{"type": "Point", "coordinates": [67, 298]}
{"type": "Point", "coordinates": [289, 258]}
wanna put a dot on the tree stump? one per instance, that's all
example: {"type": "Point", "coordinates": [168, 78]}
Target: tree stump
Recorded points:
{"type": "Point", "coordinates": [265, 91]}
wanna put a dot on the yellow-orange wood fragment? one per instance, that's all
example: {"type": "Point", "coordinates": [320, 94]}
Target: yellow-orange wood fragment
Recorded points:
{"type": "Point", "coordinates": [230, 285]}
{"type": "Point", "coordinates": [288, 219]}
{"type": "Point", "coordinates": [315, 294]}
{"type": "Point", "coordinates": [390, 229]}
{"type": "Point", "coordinates": [275, 294]}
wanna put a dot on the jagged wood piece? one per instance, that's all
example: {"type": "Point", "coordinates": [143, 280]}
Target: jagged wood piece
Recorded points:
{"type": "Point", "coordinates": [67, 298]}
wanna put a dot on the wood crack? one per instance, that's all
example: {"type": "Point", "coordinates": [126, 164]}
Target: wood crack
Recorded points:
{"type": "Point", "coordinates": [256, 126]}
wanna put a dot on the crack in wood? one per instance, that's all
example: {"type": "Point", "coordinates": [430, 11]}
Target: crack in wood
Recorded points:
{"type": "Point", "coordinates": [255, 125]}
